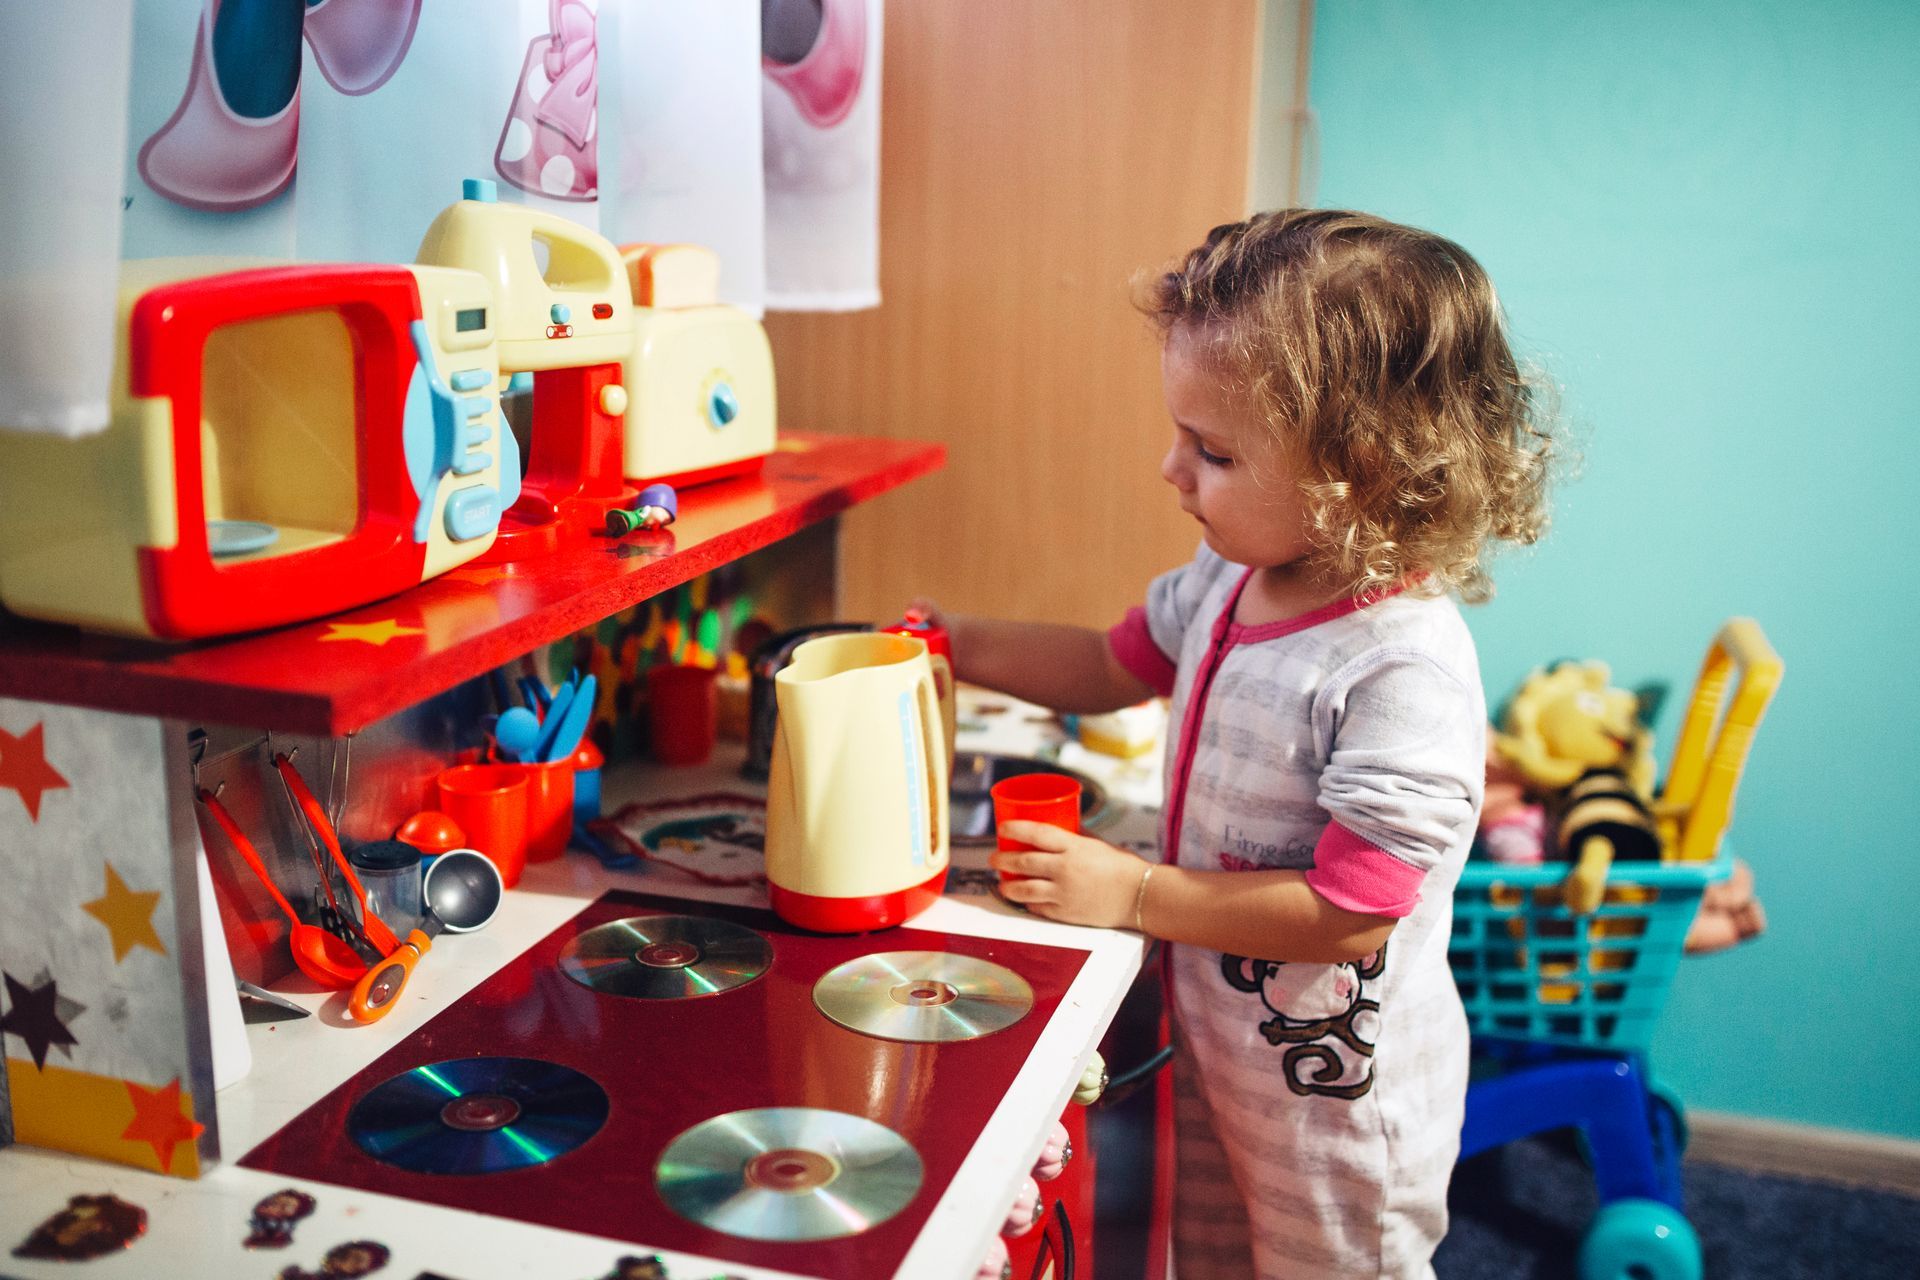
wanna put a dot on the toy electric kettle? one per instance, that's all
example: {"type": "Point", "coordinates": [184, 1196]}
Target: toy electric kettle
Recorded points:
{"type": "Point", "coordinates": [857, 797]}
{"type": "Point", "coordinates": [940, 654]}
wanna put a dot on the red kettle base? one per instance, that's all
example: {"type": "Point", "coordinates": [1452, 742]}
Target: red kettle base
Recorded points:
{"type": "Point", "coordinates": [856, 915]}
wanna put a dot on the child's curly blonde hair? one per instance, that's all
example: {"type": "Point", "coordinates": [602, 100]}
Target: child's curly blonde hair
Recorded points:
{"type": "Point", "coordinates": [1377, 356]}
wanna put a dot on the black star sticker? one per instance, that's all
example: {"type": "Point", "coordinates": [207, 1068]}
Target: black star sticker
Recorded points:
{"type": "Point", "coordinates": [35, 1018]}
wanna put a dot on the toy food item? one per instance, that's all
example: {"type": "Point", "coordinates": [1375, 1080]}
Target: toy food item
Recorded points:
{"type": "Point", "coordinates": [1127, 733]}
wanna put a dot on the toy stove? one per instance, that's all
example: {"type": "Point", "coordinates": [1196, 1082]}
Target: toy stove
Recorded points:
{"type": "Point", "coordinates": [689, 1076]}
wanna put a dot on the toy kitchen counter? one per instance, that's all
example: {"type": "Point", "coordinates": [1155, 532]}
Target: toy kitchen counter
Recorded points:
{"type": "Point", "coordinates": [573, 1092]}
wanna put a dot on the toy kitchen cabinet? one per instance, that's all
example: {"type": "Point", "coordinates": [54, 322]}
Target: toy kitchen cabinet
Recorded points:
{"type": "Point", "coordinates": [149, 1128]}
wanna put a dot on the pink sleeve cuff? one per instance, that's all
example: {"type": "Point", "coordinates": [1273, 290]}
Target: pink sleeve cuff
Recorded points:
{"type": "Point", "coordinates": [1133, 647]}
{"type": "Point", "coordinates": [1357, 876]}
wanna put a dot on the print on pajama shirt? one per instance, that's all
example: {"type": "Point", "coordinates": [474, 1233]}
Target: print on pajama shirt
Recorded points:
{"type": "Point", "coordinates": [1319, 1106]}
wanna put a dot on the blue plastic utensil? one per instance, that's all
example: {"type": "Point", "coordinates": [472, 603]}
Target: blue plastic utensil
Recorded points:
{"type": "Point", "coordinates": [571, 725]}
{"type": "Point", "coordinates": [550, 726]}
{"type": "Point", "coordinates": [518, 732]}
{"type": "Point", "coordinates": [535, 693]}
{"type": "Point", "coordinates": [610, 858]}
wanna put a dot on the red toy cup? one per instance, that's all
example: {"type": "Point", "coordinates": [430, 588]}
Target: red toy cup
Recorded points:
{"type": "Point", "coordinates": [1052, 798]}
{"type": "Point", "coordinates": [489, 803]}
{"type": "Point", "coordinates": [683, 712]}
{"type": "Point", "coordinates": [549, 808]}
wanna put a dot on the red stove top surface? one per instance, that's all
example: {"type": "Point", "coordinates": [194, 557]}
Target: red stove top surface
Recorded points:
{"type": "Point", "coordinates": [667, 1065]}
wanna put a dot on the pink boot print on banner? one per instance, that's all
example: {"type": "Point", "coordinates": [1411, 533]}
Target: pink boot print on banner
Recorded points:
{"type": "Point", "coordinates": [817, 51]}
{"type": "Point", "coordinates": [359, 44]}
{"type": "Point", "coordinates": [232, 141]}
{"type": "Point", "coordinates": [548, 143]}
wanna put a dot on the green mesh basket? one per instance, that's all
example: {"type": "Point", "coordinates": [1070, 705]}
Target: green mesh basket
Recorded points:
{"type": "Point", "coordinates": [1529, 969]}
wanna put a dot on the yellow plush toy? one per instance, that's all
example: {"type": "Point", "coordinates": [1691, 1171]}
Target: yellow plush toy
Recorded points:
{"type": "Point", "coordinates": [1578, 746]}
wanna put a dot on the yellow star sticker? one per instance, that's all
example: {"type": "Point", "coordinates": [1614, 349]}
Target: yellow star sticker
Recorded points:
{"type": "Point", "coordinates": [127, 915]}
{"type": "Point", "coordinates": [374, 633]}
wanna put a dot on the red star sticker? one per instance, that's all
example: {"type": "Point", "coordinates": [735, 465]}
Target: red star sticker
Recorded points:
{"type": "Point", "coordinates": [24, 767]}
{"type": "Point", "coordinates": [157, 1121]}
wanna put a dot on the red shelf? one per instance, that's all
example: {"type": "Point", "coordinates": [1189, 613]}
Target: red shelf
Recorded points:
{"type": "Point", "coordinates": [321, 678]}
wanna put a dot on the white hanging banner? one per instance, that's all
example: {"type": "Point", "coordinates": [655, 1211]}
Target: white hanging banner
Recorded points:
{"type": "Point", "coordinates": [213, 120]}
{"type": "Point", "coordinates": [336, 130]}
{"type": "Point", "coordinates": [820, 63]}
{"type": "Point", "coordinates": [61, 136]}
{"type": "Point", "coordinates": [681, 161]}
{"type": "Point", "coordinates": [431, 98]}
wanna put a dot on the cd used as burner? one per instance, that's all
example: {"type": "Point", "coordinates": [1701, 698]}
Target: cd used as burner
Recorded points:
{"type": "Point", "coordinates": [923, 996]}
{"type": "Point", "coordinates": [666, 957]}
{"type": "Point", "coordinates": [478, 1115]}
{"type": "Point", "coordinates": [788, 1173]}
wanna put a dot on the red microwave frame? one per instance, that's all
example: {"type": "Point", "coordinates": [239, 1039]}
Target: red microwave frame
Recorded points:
{"type": "Point", "coordinates": [186, 594]}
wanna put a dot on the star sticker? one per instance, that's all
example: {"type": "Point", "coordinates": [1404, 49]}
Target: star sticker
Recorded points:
{"type": "Point", "coordinates": [157, 1121]}
{"type": "Point", "coordinates": [36, 1017]}
{"type": "Point", "coordinates": [374, 633]}
{"type": "Point", "coordinates": [64, 1007]}
{"type": "Point", "coordinates": [24, 767]}
{"type": "Point", "coordinates": [482, 576]}
{"type": "Point", "coordinates": [127, 915]}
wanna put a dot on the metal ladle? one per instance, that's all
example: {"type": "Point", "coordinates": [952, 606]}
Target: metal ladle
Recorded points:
{"type": "Point", "coordinates": [462, 890]}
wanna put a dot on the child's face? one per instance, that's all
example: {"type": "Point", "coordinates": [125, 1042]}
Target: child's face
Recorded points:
{"type": "Point", "coordinates": [1229, 474]}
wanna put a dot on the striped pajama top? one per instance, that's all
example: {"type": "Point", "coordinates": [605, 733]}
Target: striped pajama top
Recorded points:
{"type": "Point", "coordinates": [1320, 1104]}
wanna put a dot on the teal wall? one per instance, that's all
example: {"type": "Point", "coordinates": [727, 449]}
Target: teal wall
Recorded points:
{"type": "Point", "coordinates": [1701, 218]}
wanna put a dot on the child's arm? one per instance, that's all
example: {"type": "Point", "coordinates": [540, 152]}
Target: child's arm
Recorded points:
{"type": "Point", "coordinates": [1066, 668]}
{"type": "Point", "coordinates": [1263, 915]}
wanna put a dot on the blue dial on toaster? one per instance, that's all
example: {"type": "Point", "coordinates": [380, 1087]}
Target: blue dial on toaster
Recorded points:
{"type": "Point", "coordinates": [723, 406]}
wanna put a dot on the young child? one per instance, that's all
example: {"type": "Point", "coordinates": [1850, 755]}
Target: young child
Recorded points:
{"type": "Point", "coordinates": [1351, 432]}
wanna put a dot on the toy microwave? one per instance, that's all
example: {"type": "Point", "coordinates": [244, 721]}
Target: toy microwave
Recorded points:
{"type": "Point", "coordinates": [285, 442]}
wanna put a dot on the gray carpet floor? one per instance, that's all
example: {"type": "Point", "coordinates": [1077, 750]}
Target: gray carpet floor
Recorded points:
{"type": "Point", "coordinates": [1519, 1212]}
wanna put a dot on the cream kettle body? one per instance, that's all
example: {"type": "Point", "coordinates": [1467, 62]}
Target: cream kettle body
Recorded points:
{"type": "Point", "coordinates": [857, 790]}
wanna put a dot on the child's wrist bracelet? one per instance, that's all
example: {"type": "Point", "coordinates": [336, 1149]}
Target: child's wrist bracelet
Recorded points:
{"type": "Point", "coordinates": [1140, 899]}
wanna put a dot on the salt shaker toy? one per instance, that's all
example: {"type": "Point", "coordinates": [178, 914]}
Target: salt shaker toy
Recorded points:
{"type": "Point", "coordinates": [656, 508]}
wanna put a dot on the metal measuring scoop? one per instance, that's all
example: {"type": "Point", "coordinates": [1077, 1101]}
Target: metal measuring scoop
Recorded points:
{"type": "Point", "coordinates": [462, 890]}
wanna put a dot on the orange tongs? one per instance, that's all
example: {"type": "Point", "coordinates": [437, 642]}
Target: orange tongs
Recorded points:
{"type": "Point", "coordinates": [371, 925]}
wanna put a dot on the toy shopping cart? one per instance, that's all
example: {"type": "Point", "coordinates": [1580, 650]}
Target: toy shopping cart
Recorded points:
{"type": "Point", "coordinates": [1563, 1005]}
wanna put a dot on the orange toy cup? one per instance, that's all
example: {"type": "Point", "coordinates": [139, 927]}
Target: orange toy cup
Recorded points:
{"type": "Point", "coordinates": [684, 713]}
{"type": "Point", "coordinates": [1051, 798]}
{"type": "Point", "coordinates": [489, 803]}
{"type": "Point", "coordinates": [549, 808]}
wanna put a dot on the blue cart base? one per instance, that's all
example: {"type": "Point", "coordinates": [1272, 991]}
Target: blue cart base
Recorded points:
{"type": "Point", "coordinates": [1633, 1135]}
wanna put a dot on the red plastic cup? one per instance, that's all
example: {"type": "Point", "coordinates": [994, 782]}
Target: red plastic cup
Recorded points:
{"type": "Point", "coordinates": [549, 808]}
{"type": "Point", "coordinates": [1052, 798]}
{"type": "Point", "coordinates": [682, 712]}
{"type": "Point", "coordinates": [489, 803]}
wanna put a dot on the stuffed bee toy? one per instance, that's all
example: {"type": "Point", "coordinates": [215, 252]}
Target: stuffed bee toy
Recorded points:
{"type": "Point", "coordinates": [1579, 746]}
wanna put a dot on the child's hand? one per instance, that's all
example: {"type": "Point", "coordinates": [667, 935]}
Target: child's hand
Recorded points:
{"type": "Point", "coordinates": [1077, 880]}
